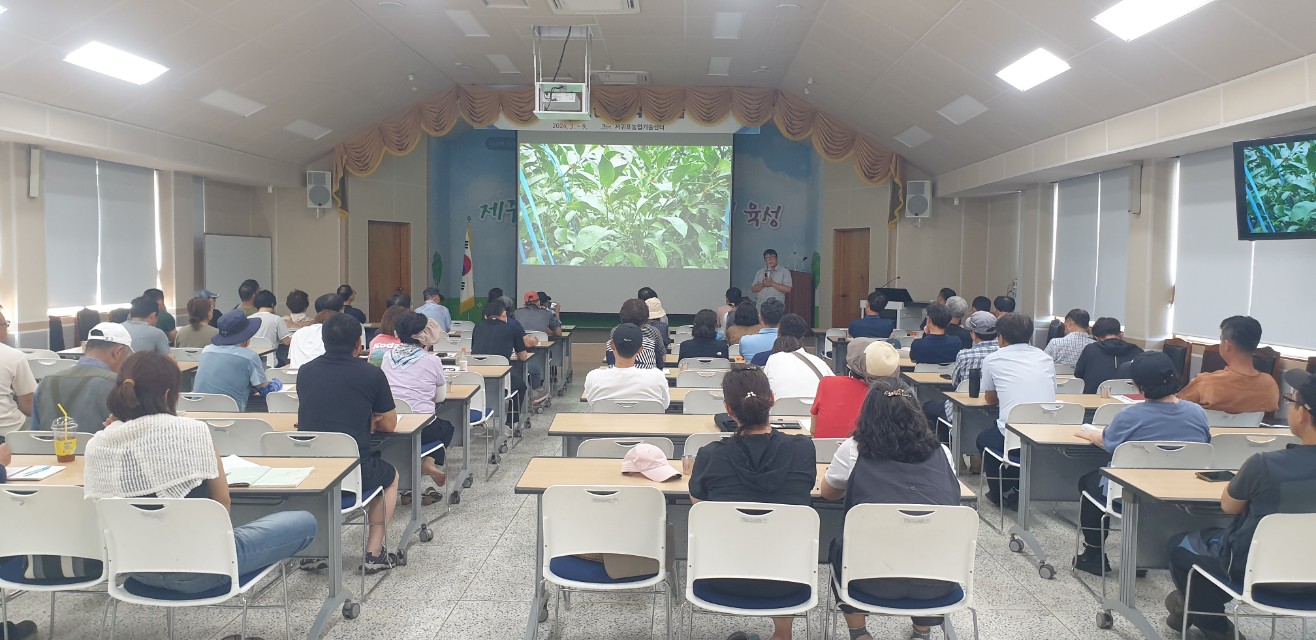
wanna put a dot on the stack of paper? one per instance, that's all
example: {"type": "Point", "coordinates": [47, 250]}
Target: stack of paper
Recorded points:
{"type": "Point", "coordinates": [244, 473]}
{"type": "Point", "coordinates": [39, 472]}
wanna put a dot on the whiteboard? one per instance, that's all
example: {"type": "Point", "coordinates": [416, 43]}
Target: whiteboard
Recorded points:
{"type": "Point", "coordinates": [232, 259]}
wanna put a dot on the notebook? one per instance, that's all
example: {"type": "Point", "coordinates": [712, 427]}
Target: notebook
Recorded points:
{"type": "Point", "coordinates": [38, 472]}
{"type": "Point", "coordinates": [244, 473]}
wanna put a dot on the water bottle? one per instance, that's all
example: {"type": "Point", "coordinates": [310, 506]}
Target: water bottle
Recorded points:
{"type": "Point", "coordinates": [975, 381]}
{"type": "Point", "coordinates": [462, 363]}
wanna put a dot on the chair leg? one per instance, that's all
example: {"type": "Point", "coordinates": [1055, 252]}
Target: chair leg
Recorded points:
{"type": "Point", "coordinates": [287, 616]}
{"type": "Point", "coordinates": [4, 615]}
{"type": "Point", "coordinates": [51, 632]}
{"type": "Point", "coordinates": [1187, 604]}
{"type": "Point", "coordinates": [1272, 627]}
{"type": "Point", "coordinates": [169, 621]}
{"type": "Point", "coordinates": [114, 614]}
{"type": "Point", "coordinates": [244, 619]}
{"type": "Point", "coordinates": [671, 604]}
{"type": "Point", "coordinates": [974, 612]}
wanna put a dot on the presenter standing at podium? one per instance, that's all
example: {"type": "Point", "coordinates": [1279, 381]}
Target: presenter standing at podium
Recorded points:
{"type": "Point", "coordinates": [771, 281]}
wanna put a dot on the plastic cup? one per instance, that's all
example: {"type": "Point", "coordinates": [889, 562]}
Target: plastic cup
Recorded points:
{"type": "Point", "coordinates": [66, 440]}
{"type": "Point", "coordinates": [687, 465]}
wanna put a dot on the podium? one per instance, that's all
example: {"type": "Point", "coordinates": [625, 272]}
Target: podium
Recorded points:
{"type": "Point", "coordinates": [900, 306]}
{"type": "Point", "coordinates": [800, 299]}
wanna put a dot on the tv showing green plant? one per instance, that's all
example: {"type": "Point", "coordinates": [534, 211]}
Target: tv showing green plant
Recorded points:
{"type": "Point", "coordinates": [657, 206]}
{"type": "Point", "coordinates": [1276, 191]}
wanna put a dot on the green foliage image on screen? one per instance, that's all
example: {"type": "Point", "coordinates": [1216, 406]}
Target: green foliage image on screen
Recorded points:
{"type": "Point", "coordinates": [658, 206]}
{"type": "Point", "coordinates": [1281, 197]}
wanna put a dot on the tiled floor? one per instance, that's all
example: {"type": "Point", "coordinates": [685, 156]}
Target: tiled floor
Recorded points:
{"type": "Point", "coordinates": [474, 582]}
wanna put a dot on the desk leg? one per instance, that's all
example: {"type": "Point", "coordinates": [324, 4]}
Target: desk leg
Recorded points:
{"type": "Point", "coordinates": [567, 363]}
{"type": "Point", "coordinates": [1126, 605]}
{"type": "Point", "coordinates": [337, 594]}
{"type": "Point", "coordinates": [465, 479]}
{"type": "Point", "coordinates": [538, 604]}
{"type": "Point", "coordinates": [1019, 533]}
{"type": "Point", "coordinates": [570, 444]}
{"type": "Point", "coordinates": [956, 417]}
{"type": "Point", "coordinates": [414, 524]}
{"type": "Point", "coordinates": [491, 459]}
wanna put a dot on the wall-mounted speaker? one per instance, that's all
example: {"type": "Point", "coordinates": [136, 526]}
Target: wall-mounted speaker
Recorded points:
{"type": "Point", "coordinates": [319, 195]}
{"type": "Point", "coordinates": [918, 198]}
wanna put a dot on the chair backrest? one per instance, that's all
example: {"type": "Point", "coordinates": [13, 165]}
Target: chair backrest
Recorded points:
{"type": "Point", "coordinates": [936, 542]}
{"type": "Point", "coordinates": [824, 449]}
{"type": "Point", "coordinates": [1222, 419]}
{"type": "Point", "coordinates": [260, 343]}
{"type": "Point", "coordinates": [1230, 450]}
{"type": "Point", "coordinates": [923, 367]}
{"type": "Point", "coordinates": [1069, 385]}
{"type": "Point", "coordinates": [603, 519]}
{"type": "Point", "coordinates": [286, 375]}
{"type": "Point", "coordinates": [704, 363]}
{"type": "Point", "coordinates": [402, 406]}
{"type": "Point", "coordinates": [697, 440]}
{"type": "Point", "coordinates": [282, 402]}
{"type": "Point", "coordinates": [42, 367]}
{"type": "Point", "coordinates": [1118, 387]}
{"type": "Point", "coordinates": [834, 334]}
{"type": "Point", "coordinates": [206, 402]}
{"type": "Point", "coordinates": [486, 360]}
{"type": "Point", "coordinates": [470, 378]}
{"type": "Point", "coordinates": [1041, 413]}
{"type": "Point", "coordinates": [617, 447]}
{"type": "Point", "coordinates": [1054, 330]}
{"type": "Point", "coordinates": [40, 354]}
{"type": "Point", "coordinates": [41, 443]}
{"type": "Point", "coordinates": [1065, 369]}
{"type": "Point", "coordinates": [733, 351]}
{"type": "Point", "coordinates": [463, 325]}
{"type": "Point", "coordinates": [677, 338]}
{"type": "Point", "coordinates": [910, 335]}
{"type": "Point", "coordinates": [962, 387]}
{"type": "Point", "coordinates": [308, 444]}
{"type": "Point", "coordinates": [1161, 455]}
{"type": "Point", "coordinates": [240, 437]}
{"type": "Point", "coordinates": [792, 407]}
{"type": "Point", "coordinates": [186, 354]}
{"type": "Point", "coordinates": [612, 405]}
{"type": "Point", "coordinates": [166, 536]}
{"type": "Point", "coordinates": [541, 336]}
{"type": "Point", "coordinates": [1180, 352]}
{"type": "Point", "coordinates": [54, 520]}
{"type": "Point", "coordinates": [703, 402]}
{"type": "Point", "coordinates": [701, 378]}
{"type": "Point", "coordinates": [1106, 412]}
{"type": "Point", "coordinates": [785, 544]}
{"type": "Point", "coordinates": [1271, 559]}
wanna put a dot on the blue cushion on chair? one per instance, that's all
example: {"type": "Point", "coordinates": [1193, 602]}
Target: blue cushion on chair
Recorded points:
{"type": "Point", "coordinates": [477, 415]}
{"type": "Point", "coordinates": [140, 589]}
{"type": "Point", "coordinates": [1298, 601]}
{"type": "Point", "coordinates": [430, 447]}
{"type": "Point", "coordinates": [785, 594]}
{"type": "Point", "coordinates": [349, 499]}
{"type": "Point", "coordinates": [906, 603]}
{"type": "Point", "coordinates": [13, 568]}
{"type": "Point", "coordinates": [1014, 454]}
{"type": "Point", "coordinates": [582, 570]}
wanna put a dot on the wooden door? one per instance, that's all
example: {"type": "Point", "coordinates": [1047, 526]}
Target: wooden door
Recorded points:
{"type": "Point", "coordinates": [849, 274]}
{"type": "Point", "coordinates": [389, 256]}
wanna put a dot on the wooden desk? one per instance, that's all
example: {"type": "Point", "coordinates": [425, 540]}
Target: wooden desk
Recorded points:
{"type": "Point", "coordinates": [328, 471]}
{"type": "Point", "coordinates": [576, 427]}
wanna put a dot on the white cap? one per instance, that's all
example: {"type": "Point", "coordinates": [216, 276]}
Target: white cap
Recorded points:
{"type": "Point", "coordinates": [111, 332]}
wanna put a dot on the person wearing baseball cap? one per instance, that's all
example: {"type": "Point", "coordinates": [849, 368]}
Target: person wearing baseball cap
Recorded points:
{"type": "Point", "coordinates": [839, 399]}
{"type": "Point", "coordinates": [227, 366]}
{"type": "Point", "coordinates": [624, 380]}
{"type": "Point", "coordinates": [981, 326]}
{"type": "Point", "coordinates": [1269, 482]}
{"type": "Point", "coordinates": [82, 390]}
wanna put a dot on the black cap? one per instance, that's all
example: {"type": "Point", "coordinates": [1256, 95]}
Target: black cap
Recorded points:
{"type": "Point", "coordinates": [1305, 384]}
{"type": "Point", "coordinates": [1152, 371]}
{"type": "Point", "coordinates": [628, 338]}
{"type": "Point", "coordinates": [543, 297]}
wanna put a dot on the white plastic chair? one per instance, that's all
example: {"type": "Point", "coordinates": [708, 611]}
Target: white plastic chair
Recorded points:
{"type": "Point", "coordinates": [1064, 369]}
{"type": "Point", "coordinates": [580, 520]}
{"type": "Point", "coordinates": [1025, 413]}
{"type": "Point", "coordinates": [733, 351]}
{"type": "Point", "coordinates": [935, 542]}
{"type": "Point", "coordinates": [626, 406]}
{"type": "Point", "coordinates": [703, 402]}
{"type": "Point", "coordinates": [1222, 419]}
{"type": "Point", "coordinates": [687, 364]}
{"type": "Point", "coordinates": [282, 402]}
{"type": "Point", "coordinates": [1270, 560]}
{"type": "Point", "coordinates": [792, 407]}
{"type": "Point", "coordinates": [42, 367]}
{"type": "Point", "coordinates": [239, 437]}
{"type": "Point", "coordinates": [1117, 387]}
{"type": "Point", "coordinates": [480, 412]}
{"type": "Point", "coordinates": [39, 354]}
{"type": "Point", "coordinates": [463, 326]}
{"type": "Point", "coordinates": [696, 441]}
{"type": "Point", "coordinates": [1107, 412]}
{"type": "Point", "coordinates": [700, 378]}
{"type": "Point", "coordinates": [207, 402]}
{"type": "Point", "coordinates": [484, 360]}
{"type": "Point", "coordinates": [402, 406]}
{"type": "Point", "coordinates": [186, 354]}
{"type": "Point", "coordinates": [824, 449]}
{"type": "Point", "coordinates": [54, 521]}
{"type": "Point", "coordinates": [541, 336]}
{"type": "Point", "coordinates": [616, 448]}
{"type": "Point", "coordinates": [924, 367]}
{"type": "Point", "coordinates": [177, 535]}
{"type": "Point", "coordinates": [41, 443]}
{"type": "Point", "coordinates": [1231, 450]}
{"type": "Point", "coordinates": [785, 549]}
{"type": "Point", "coordinates": [260, 343]}
{"type": "Point", "coordinates": [286, 375]}
{"type": "Point", "coordinates": [834, 334]}
{"type": "Point", "coordinates": [1069, 385]}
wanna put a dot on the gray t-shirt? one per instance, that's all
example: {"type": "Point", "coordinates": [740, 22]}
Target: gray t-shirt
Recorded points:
{"type": "Point", "coordinates": [1271, 482]}
{"type": "Point", "coordinates": [537, 319]}
{"type": "Point", "coordinates": [780, 275]}
{"type": "Point", "coordinates": [146, 337]}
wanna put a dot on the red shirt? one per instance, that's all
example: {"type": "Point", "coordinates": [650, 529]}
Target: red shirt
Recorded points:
{"type": "Point", "coordinates": [837, 405]}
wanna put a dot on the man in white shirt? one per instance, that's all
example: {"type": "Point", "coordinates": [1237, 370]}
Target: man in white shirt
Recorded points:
{"type": "Point", "coordinates": [623, 380]}
{"type": "Point", "coordinates": [308, 342]}
{"type": "Point", "coordinates": [17, 384]}
{"type": "Point", "coordinates": [771, 282]}
{"type": "Point", "coordinates": [434, 309]}
{"type": "Point", "coordinates": [1015, 373]}
{"type": "Point", "coordinates": [1066, 349]}
{"type": "Point", "coordinates": [272, 327]}
{"type": "Point", "coordinates": [793, 372]}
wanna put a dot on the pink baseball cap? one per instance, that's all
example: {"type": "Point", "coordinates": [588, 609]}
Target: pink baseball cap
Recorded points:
{"type": "Point", "coordinates": [649, 460]}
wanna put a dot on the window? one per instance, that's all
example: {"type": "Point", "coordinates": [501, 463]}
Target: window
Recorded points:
{"type": "Point", "coordinates": [1091, 245]}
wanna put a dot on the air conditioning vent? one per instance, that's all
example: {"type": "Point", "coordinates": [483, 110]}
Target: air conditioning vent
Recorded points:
{"type": "Point", "coordinates": [619, 77]}
{"type": "Point", "coordinates": [593, 7]}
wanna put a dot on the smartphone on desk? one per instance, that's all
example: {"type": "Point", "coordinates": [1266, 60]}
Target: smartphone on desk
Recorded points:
{"type": "Point", "coordinates": [1216, 476]}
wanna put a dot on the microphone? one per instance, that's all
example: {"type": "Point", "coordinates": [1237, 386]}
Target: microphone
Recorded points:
{"type": "Point", "coordinates": [889, 282]}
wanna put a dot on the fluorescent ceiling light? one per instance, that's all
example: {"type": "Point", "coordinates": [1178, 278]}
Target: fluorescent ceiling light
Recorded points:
{"type": "Point", "coordinates": [503, 63]}
{"type": "Point", "coordinates": [232, 102]}
{"type": "Point", "coordinates": [307, 129]}
{"type": "Point", "coordinates": [1129, 19]}
{"type": "Point", "coordinates": [726, 25]}
{"type": "Point", "coordinates": [1033, 69]}
{"type": "Point", "coordinates": [102, 58]}
{"type": "Point", "coordinates": [465, 20]}
{"type": "Point", "coordinates": [913, 137]}
{"type": "Point", "coordinates": [719, 66]}
{"type": "Point", "coordinates": [962, 109]}
{"type": "Point", "coordinates": [3, 9]}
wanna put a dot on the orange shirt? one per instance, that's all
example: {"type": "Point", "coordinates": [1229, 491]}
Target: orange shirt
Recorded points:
{"type": "Point", "coordinates": [1232, 392]}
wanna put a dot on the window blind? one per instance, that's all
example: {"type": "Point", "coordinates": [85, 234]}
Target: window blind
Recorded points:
{"type": "Point", "coordinates": [1074, 284]}
{"type": "Point", "coordinates": [127, 231]}
{"type": "Point", "coordinates": [1213, 274]}
{"type": "Point", "coordinates": [72, 230]}
{"type": "Point", "coordinates": [1113, 246]}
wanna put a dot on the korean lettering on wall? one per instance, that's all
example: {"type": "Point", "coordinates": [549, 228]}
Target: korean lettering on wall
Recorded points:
{"type": "Point", "coordinates": [757, 215]}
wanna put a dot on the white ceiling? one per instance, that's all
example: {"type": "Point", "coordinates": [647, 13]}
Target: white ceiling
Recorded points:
{"type": "Point", "coordinates": [881, 65]}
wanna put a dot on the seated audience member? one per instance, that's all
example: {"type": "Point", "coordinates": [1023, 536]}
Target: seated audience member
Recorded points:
{"type": "Point", "coordinates": [307, 343]}
{"type": "Point", "coordinates": [935, 347]}
{"type": "Point", "coordinates": [164, 320]}
{"type": "Point", "coordinates": [1103, 357]}
{"type": "Point", "coordinates": [386, 338]}
{"type": "Point", "coordinates": [227, 366]}
{"type": "Point", "coordinates": [651, 354]}
{"type": "Point", "coordinates": [658, 320]}
{"type": "Point", "coordinates": [873, 325]}
{"type": "Point", "coordinates": [495, 337]}
{"type": "Point", "coordinates": [214, 307]}
{"type": "Point", "coordinates": [703, 342]}
{"type": "Point", "coordinates": [247, 296]}
{"type": "Point", "coordinates": [623, 380]}
{"type": "Point", "coordinates": [725, 311]}
{"type": "Point", "coordinates": [1015, 373]}
{"type": "Point", "coordinates": [151, 452]}
{"type": "Point", "coordinates": [82, 391]}
{"type": "Point", "coordinates": [770, 313]}
{"type": "Point", "coordinates": [272, 327]}
{"type": "Point", "coordinates": [141, 326]}
{"type": "Point", "coordinates": [1270, 482]}
{"type": "Point", "coordinates": [793, 372]}
{"type": "Point", "coordinates": [791, 325]}
{"type": "Point", "coordinates": [943, 297]}
{"type": "Point", "coordinates": [403, 300]}
{"type": "Point", "coordinates": [342, 393]}
{"type": "Point", "coordinates": [494, 294]}
{"type": "Point", "coordinates": [959, 310]}
{"type": "Point", "coordinates": [349, 296]}
{"type": "Point", "coordinates": [744, 321]}
{"type": "Point", "coordinates": [755, 464]}
{"type": "Point", "coordinates": [982, 326]}
{"type": "Point", "coordinates": [1066, 349]}
{"type": "Point", "coordinates": [892, 458]}
{"type": "Point", "coordinates": [434, 309]}
{"type": "Point", "coordinates": [1239, 387]}
{"type": "Point", "coordinates": [416, 378]}
{"type": "Point", "coordinates": [297, 303]}
{"type": "Point", "coordinates": [534, 317]}
{"type": "Point", "coordinates": [17, 384]}
{"type": "Point", "coordinates": [1162, 417]}
{"type": "Point", "coordinates": [198, 332]}
{"type": "Point", "coordinates": [982, 303]}
{"type": "Point", "coordinates": [839, 398]}
{"type": "Point", "coordinates": [1003, 305]}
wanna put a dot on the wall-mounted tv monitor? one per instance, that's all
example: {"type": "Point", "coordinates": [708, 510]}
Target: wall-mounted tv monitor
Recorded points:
{"type": "Point", "coordinates": [1275, 185]}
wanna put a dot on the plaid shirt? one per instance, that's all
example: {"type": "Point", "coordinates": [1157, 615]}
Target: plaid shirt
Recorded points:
{"type": "Point", "coordinates": [969, 359]}
{"type": "Point", "coordinates": [1067, 348]}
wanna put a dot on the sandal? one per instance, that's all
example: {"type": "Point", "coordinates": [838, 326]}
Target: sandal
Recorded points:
{"type": "Point", "coordinates": [404, 497]}
{"type": "Point", "coordinates": [430, 496]}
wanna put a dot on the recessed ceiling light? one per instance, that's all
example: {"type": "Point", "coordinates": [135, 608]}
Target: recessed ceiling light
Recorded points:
{"type": "Point", "coordinates": [232, 103]}
{"type": "Point", "coordinates": [117, 63]}
{"type": "Point", "coordinates": [463, 65]}
{"type": "Point", "coordinates": [307, 129]}
{"type": "Point", "coordinates": [1129, 19]}
{"type": "Point", "coordinates": [393, 4]}
{"type": "Point", "coordinates": [761, 69]}
{"type": "Point", "coordinates": [465, 20]}
{"type": "Point", "coordinates": [719, 66]}
{"type": "Point", "coordinates": [726, 25]}
{"type": "Point", "coordinates": [913, 137]}
{"type": "Point", "coordinates": [504, 63]}
{"type": "Point", "coordinates": [962, 109]}
{"type": "Point", "coordinates": [3, 9]}
{"type": "Point", "coordinates": [787, 7]}
{"type": "Point", "coordinates": [1033, 69]}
